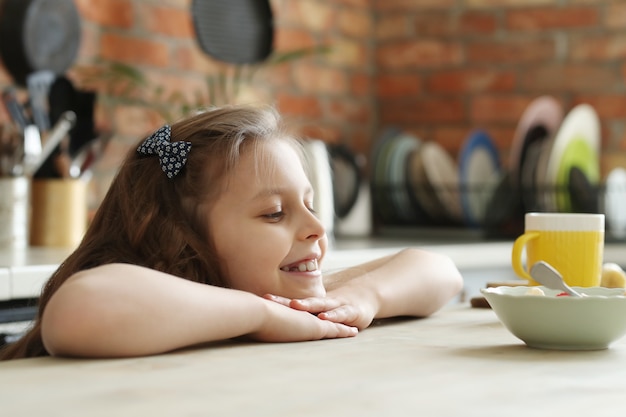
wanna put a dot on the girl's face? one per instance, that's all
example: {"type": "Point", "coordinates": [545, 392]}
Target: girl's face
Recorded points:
{"type": "Point", "coordinates": [264, 228]}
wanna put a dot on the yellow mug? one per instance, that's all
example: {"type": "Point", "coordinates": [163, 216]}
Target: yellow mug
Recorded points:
{"type": "Point", "coordinates": [573, 243]}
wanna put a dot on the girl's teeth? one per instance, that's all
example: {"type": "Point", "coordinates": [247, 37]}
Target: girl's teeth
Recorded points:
{"type": "Point", "coordinates": [303, 267]}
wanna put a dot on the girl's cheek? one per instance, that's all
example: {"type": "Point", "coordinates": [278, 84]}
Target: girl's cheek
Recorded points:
{"type": "Point", "coordinates": [324, 246]}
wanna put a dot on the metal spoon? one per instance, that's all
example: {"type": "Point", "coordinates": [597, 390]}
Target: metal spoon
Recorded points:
{"type": "Point", "coordinates": [545, 274]}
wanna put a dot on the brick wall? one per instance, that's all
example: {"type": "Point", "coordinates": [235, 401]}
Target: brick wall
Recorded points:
{"type": "Point", "coordinates": [438, 68]}
{"type": "Point", "coordinates": [447, 66]}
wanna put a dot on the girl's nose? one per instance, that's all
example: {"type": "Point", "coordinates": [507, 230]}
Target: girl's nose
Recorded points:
{"type": "Point", "coordinates": [313, 227]}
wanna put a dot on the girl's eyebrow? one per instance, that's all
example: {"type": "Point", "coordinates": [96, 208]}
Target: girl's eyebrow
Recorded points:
{"type": "Point", "coordinates": [269, 192]}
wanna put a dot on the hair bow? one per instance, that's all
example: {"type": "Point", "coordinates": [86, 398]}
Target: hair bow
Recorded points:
{"type": "Point", "coordinates": [172, 155]}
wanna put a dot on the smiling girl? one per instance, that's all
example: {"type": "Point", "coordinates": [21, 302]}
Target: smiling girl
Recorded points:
{"type": "Point", "coordinates": [209, 233]}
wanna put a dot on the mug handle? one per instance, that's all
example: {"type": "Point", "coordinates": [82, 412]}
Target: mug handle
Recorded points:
{"type": "Point", "coordinates": [516, 255]}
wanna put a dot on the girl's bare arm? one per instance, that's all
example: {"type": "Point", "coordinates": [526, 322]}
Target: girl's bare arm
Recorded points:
{"type": "Point", "coordinates": [121, 310]}
{"type": "Point", "coordinates": [412, 282]}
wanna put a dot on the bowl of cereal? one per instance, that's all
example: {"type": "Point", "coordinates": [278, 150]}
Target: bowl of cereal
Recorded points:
{"type": "Point", "coordinates": [550, 319]}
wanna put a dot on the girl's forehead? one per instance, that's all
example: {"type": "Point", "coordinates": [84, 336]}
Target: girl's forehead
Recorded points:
{"type": "Point", "coordinates": [266, 156]}
{"type": "Point", "coordinates": [259, 163]}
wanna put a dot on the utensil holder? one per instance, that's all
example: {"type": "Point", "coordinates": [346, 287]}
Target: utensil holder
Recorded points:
{"type": "Point", "coordinates": [59, 212]}
{"type": "Point", "coordinates": [14, 212]}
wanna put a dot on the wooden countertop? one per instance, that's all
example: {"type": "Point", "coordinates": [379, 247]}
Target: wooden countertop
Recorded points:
{"type": "Point", "coordinates": [461, 361]}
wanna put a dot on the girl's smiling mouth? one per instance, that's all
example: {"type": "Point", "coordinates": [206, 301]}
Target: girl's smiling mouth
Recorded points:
{"type": "Point", "coordinates": [301, 266]}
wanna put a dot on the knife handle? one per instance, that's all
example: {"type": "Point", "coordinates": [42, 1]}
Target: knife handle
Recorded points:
{"type": "Point", "coordinates": [14, 108]}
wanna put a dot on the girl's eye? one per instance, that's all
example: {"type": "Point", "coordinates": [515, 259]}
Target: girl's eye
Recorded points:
{"type": "Point", "coordinates": [277, 215]}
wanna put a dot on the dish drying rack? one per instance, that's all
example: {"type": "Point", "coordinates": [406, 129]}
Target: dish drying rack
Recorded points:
{"type": "Point", "coordinates": [487, 211]}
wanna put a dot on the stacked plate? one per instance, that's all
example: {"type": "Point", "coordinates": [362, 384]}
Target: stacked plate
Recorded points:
{"type": "Point", "coordinates": [554, 165]}
{"type": "Point", "coordinates": [433, 182]}
{"type": "Point", "coordinates": [419, 182]}
{"type": "Point", "coordinates": [480, 170]}
{"type": "Point", "coordinates": [555, 160]}
{"type": "Point", "coordinates": [388, 177]}
{"type": "Point", "coordinates": [530, 149]}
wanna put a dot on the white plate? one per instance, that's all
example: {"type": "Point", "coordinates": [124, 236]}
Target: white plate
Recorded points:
{"type": "Point", "coordinates": [443, 174]}
{"type": "Point", "coordinates": [615, 202]}
{"type": "Point", "coordinates": [581, 123]}
{"type": "Point", "coordinates": [479, 170]}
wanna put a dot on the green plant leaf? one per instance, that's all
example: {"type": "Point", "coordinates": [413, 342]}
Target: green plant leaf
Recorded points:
{"type": "Point", "coordinates": [126, 72]}
{"type": "Point", "coordinates": [222, 86]}
{"type": "Point", "coordinates": [296, 54]}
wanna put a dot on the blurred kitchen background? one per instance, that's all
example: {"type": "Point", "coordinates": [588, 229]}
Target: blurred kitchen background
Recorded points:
{"type": "Point", "coordinates": [376, 81]}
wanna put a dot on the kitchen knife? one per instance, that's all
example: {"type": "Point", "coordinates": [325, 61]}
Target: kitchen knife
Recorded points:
{"type": "Point", "coordinates": [14, 108]}
{"type": "Point", "coordinates": [83, 165]}
{"type": "Point", "coordinates": [32, 148]}
{"type": "Point", "coordinates": [56, 135]}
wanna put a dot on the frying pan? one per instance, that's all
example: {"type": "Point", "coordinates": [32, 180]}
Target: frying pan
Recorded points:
{"type": "Point", "coordinates": [234, 31]}
{"type": "Point", "coordinates": [38, 35]}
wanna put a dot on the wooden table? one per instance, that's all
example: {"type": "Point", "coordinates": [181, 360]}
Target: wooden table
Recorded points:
{"type": "Point", "coordinates": [459, 362]}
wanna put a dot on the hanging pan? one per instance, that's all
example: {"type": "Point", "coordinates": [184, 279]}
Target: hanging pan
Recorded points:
{"type": "Point", "coordinates": [234, 31]}
{"type": "Point", "coordinates": [38, 35]}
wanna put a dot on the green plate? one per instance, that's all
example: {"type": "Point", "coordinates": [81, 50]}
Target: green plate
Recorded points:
{"type": "Point", "coordinates": [581, 124]}
{"type": "Point", "coordinates": [578, 153]}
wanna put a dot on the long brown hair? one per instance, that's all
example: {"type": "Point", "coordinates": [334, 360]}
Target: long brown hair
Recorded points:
{"type": "Point", "coordinates": [150, 220]}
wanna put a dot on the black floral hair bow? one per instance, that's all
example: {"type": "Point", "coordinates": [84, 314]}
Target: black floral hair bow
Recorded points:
{"type": "Point", "coordinates": [172, 155]}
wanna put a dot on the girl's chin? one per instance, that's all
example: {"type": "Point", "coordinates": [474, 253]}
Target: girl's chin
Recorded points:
{"type": "Point", "coordinates": [298, 285]}
{"type": "Point", "coordinates": [311, 291]}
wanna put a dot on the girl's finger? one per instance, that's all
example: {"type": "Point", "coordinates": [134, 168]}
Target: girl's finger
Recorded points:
{"type": "Point", "coordinates": [345, 331]}
{"type": "Point", "coordinates": [343, 314]}
{"type": "Point", "coordinates": [314, 304]}
{"type": "Point", "coordinates": [278, 299]}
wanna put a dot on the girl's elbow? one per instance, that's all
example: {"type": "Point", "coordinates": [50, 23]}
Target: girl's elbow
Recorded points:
{"type": "Point", "coordinates": [456, 280]}
{"type": "Point", "coordinates": [62, 326]}
{"type": "Point", "coordinates": [444, 270]}
{"type": "Point", "coordinates": [55, 331]}
{"type": "Point", "coordinates": [443, 266]}
{"type": "Point", "coordinates": [452, 276]}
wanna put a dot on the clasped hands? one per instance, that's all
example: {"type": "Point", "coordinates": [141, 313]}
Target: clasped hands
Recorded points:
{"type": "Point", "coordinates": [349, 305]}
